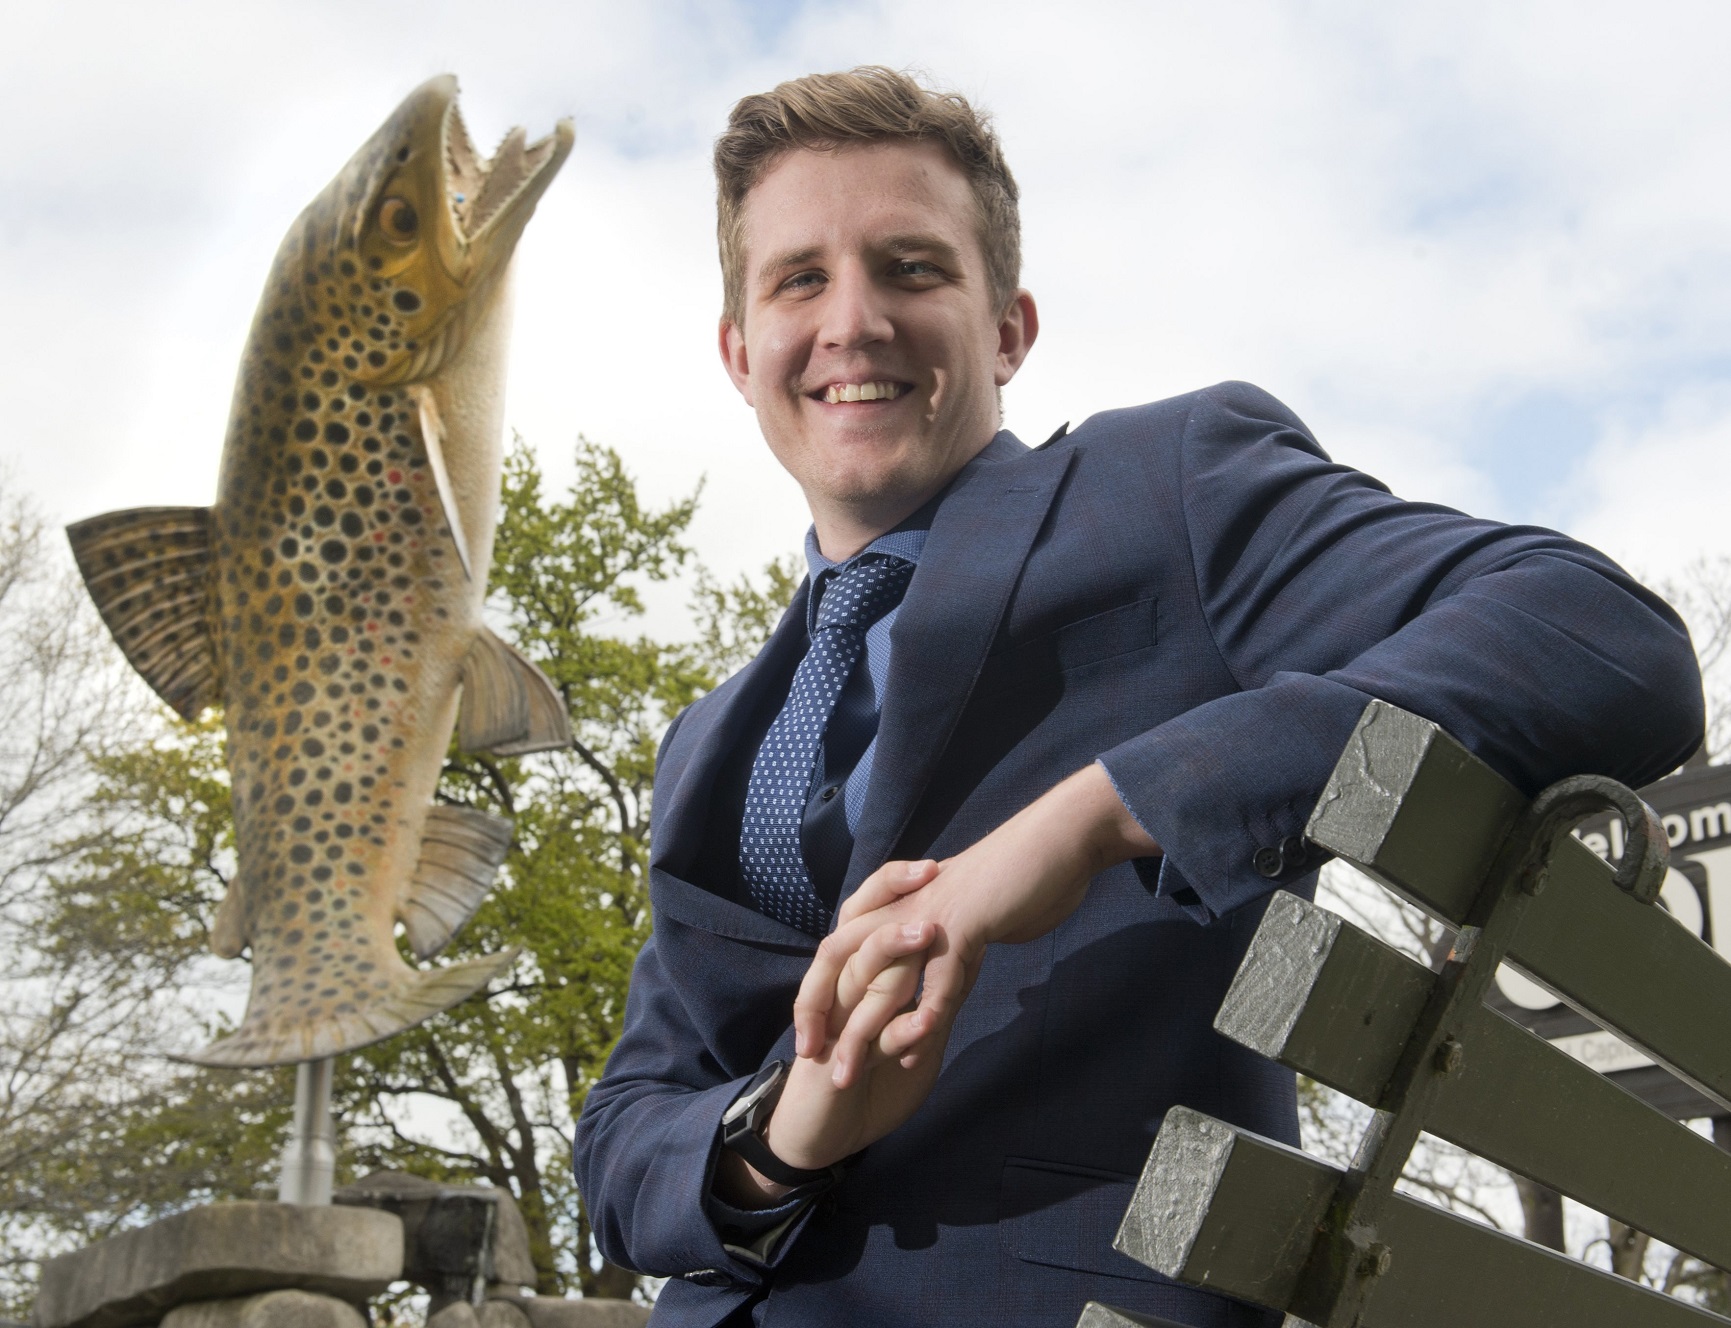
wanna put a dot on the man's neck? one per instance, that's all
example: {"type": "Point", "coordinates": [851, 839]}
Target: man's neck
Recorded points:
{"type": "Point", "coordinates": [839, 540]}
{"type": "Point", "coordinates": [844, 529]}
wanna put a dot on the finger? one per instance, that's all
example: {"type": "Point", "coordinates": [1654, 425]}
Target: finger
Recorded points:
{"type": "Point", "coordinates": [886, 885]}
{"type": "Point", "coordinates": [947, 980]}
{"type": "Point", "coordinates": [881, 979]}
{"type": "Point", "coordinates": [885, 945]}
{"type": "Point", "coordinates": [904, 1038]}
{"type": "Point", "coordinates": [889, 993]}
{"type": "Point", "coordinates": [811, 1008]}
{"type": "Point", "coordinates": [817, 990]}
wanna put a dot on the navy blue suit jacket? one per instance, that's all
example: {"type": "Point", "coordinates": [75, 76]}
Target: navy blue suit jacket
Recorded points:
{"type": "Point", "coordinates": [1193, 593]}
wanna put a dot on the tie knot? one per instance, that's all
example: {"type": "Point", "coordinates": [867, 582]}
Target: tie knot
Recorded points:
{"type": "Point", "coordinates": [864, 592]}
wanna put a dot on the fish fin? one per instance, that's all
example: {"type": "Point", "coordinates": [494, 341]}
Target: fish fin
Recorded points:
{"type": "Point", "coordinates": [461, 850]}
{"type": "Point", "coordinates": [433, 439]}
{"type": "Point", "coordinates": [509, 706]}
{"type": "Point", "coordinates": [148, 569]}
{"type": "Point", "coordinates": [228, 932]}
{"type": "Point", "coordinates": [277, 1039]}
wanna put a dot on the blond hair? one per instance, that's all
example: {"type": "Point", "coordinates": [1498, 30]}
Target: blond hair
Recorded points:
{"type": "Point", "coordinates": [870, 104]}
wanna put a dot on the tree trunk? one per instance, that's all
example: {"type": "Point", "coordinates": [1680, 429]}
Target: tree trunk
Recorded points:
{"type": "Point", "coordinates": [614, 1282]}
{"type": "Point", "coordinates": [1543, 1210]}
{"type": "Point", "coordinates": [609, 1280]}
{"type": "Point", "coordinates": [1628, 1250]}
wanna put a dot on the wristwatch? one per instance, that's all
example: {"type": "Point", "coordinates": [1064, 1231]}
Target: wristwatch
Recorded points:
{"type": "Point", "coordinates": [742, 1130]}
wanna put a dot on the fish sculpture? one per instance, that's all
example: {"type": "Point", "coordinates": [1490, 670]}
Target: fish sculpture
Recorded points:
{"type": "Point", "coordinates": [330, 600]}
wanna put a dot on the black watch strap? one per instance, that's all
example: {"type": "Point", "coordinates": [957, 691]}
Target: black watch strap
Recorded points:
{"type": "Point", "coordinates": [742, 1129]}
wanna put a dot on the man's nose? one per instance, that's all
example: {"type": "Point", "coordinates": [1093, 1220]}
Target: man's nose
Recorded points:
{"type": "Point", "coordinates": [855, 311]}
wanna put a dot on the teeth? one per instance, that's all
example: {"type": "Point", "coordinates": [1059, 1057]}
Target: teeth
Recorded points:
{"type": "Point", "coordinates": [839, 392]}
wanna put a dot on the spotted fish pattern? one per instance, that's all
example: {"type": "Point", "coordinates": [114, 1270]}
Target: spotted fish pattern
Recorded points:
{"type": "Point", "coordinates": [330, 599]}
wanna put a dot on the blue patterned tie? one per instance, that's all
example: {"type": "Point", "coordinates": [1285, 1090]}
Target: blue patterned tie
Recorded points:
{"type": "Point", "coordinates": [775, 799]}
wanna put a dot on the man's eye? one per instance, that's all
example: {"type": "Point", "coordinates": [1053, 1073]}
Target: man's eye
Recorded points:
{"type": "Point", "coordinates": [915, 267]}
{"type": "Point", "coordinates": [802, 281]}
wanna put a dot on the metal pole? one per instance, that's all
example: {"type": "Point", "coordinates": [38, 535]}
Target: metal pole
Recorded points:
{"type": "Point", "coordinates": [309, 1161]}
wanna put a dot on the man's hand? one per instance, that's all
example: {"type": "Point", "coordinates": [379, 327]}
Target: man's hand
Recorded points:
{"type": "Point", "coordinates": [1017, 883]}
{"type": "Point", "coordinates": [818, 1122]}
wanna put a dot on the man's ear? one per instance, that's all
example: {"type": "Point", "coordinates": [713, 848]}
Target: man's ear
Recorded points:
{"type": "Point", "coordinates": [731, 343]}
{"type": "Point", "coordinates": [1016, 332]}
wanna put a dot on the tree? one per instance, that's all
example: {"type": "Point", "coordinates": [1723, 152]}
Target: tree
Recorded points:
{"type": "Point", "coordinates": [1701, 594]}
{"type": "Point", "coordinates": [64, 701]}
{"type": "Point", "coordinates": [487, 1091]}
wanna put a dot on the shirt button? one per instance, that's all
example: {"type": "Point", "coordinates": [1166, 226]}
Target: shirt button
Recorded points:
{"type": "Point", "coordinates": [829, 792]}
{"type": "Point", "coordinates": [1267, 862]}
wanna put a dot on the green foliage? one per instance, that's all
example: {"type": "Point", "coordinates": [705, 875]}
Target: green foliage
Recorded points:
{"type": "Point", "coordinates": [146, 887]}
{"type": "Point", "coordinates": [489, 1090]}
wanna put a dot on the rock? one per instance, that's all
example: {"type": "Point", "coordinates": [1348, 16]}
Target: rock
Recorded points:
{"type": "Point", "coordinates": [218, 1252]}
{"type": "Point", "coordinates": [273, 1309]}
{"type": "Point", "coordinates": [502, 1313]}
{"type": "Point", "coordinates": [554, 1312]}
{"type": "Point", "coordinates": [458, 1314]}
{"type": "Point", "coordinates": [511, 1261]}
{"type": "Point", "coordinates": [457, 1237]}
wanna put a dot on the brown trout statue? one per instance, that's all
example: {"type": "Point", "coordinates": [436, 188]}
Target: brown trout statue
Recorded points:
{"type": "Point", "coordinates": [330, 600]}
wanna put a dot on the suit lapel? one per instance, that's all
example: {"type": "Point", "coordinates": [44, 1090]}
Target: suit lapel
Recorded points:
{"type": "Point", "coordinates": [721, 719]}
{"type": "Point", "coordinates": [981, 536]}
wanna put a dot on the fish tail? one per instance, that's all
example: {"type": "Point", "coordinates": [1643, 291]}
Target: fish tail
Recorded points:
{"type": "Point", "coordinates": [269, 1037]}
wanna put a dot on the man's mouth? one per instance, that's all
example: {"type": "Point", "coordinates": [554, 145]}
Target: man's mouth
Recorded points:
{"type": "Point", "coordinates": [882, 390]}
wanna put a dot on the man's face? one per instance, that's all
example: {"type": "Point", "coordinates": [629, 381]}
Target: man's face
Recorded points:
{"type": "Point", "coordinates": [870, 346]}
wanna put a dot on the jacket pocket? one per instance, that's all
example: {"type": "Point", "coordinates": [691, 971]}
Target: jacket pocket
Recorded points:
{"type": "Point", "coordinates": [1066, 1217]}
{"type": "Point", "coordinates": [1101, 636]}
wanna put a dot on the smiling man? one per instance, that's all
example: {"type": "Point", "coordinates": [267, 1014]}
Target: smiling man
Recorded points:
{"type": "Point", "coordinates": [1043, 726]}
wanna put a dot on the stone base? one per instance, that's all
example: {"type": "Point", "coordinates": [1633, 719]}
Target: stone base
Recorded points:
{"type": "Point", "coordinates": [557, 1312]}
{"type": "Point", "coordinates": [456, 1237]}
{"type": "Point", "coordinates": [542, 1312]}
{"type": "Point", "coordinates": [273, 1309]}
{"type": "Point", "coordinates": [221, 1252]}
{"type": "Point", "coordinates": [547, 1311]}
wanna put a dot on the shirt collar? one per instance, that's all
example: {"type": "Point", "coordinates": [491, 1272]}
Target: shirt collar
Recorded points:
{"type": "Point", "coordinates": [898, 543]}
{"type": "Point", "coordinates": [901, 543]}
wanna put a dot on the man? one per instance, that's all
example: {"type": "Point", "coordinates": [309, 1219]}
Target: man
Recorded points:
{"type": "Point", "coordinates": [1043, 725]}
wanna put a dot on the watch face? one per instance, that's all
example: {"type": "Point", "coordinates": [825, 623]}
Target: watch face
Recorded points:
{"type": "Point", "coordinates": [742, 1105]}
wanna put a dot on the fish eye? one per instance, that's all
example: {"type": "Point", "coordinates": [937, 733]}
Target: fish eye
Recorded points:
{"type": "Point", "coordinates": [397, 219]}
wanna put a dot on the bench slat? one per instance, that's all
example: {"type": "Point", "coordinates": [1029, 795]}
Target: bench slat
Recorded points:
{"type": "Point", "coordinates": [1410, 806]}
{"type": "Point", "coordinates": [1320, 996]}
{"type": "Point", "coordinates": [1226, 1209]}
{"type": "Point", "coordinates": [1096, 1315]}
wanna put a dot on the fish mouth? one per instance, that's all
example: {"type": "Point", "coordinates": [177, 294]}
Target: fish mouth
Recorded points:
{"type": "Point", "coordinates": [488, 200]}
{"type": "Point", "coordinates": [492, 195]}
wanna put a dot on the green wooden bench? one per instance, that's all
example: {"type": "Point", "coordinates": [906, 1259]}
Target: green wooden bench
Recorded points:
{"type": "Point", "coordinates": [1223, 1208]}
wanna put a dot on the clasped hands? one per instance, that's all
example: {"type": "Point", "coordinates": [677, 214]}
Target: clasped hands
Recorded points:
{"type": "Point", "coordinates": [874, 1013]}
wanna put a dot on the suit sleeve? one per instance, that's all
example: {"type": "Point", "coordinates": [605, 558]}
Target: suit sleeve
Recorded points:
{"type": "Point", "coordinates": [647, 1141]}
{"type": "Point", "coordinates": [1322, 590]}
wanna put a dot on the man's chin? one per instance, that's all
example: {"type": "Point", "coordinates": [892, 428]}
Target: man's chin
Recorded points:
{"type": "Point", "coordinates": [882, 496]}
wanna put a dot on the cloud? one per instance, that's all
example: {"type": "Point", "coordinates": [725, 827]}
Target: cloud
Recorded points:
{"type": "Point", "coordinates": [1481, 249]}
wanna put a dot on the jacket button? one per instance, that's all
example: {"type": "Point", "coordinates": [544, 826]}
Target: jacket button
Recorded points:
{"type": "Point", "coordinates": [1268, 862]}
{"type": "Point", "coordinates": [1294, 852]}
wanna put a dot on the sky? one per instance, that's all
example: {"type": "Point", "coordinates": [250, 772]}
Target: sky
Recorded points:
{"type": "Point", "coordinates": [1481, 248]}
